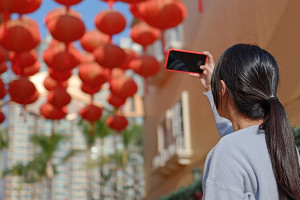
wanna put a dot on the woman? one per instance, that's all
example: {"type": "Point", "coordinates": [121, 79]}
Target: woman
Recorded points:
{"type": "Point", "coordinates": [256, 158]}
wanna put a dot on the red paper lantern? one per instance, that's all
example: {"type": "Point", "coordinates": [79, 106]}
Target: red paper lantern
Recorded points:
{"type": "Point", "coordinates": [91, 113]}
{"type": "Point", "coordinates": [134, 9]}
{"type": "Point", "coordinates": [8, 5]}
{"type": "Point", "coordinates": [58, 58]}
{"type": "Point", "coordinates": [31, 99]}
{"type": "Point", "coordinates": [3, 67]}
{"type": "Point", "coordinates": [27, 71]}
{"type": "Point", "coordinates": [93, 39]}
{"type": "Point", "coordinates": [92, 74]}
{"type": "Point", "coordinates": [54, 14]}
{"type": "Point", "coordinates": [65, 27]}
{"type": "Point", "coordinates": [162, 14]}
{"type": "Point", "coordinates": [2, 89]}
{"type": "Point", "coordinates": [117, 122]}
{"type": "Point", "coordinates": [117, 73]}
{"type": "Point", "coordinates": [123, 87]}
{"type": "Point", "coordinates": [2, 117]}
{"type": "Point", "coordinates": [145, 66]}
{"type": "Point", "coordinates": [144, 34]}
{"type": "Point", "coordinates": [14, 6]}
{"type": "Point", "coordinates": [59, 97]}
{"type": "Point", "coordinates": [2, 54]}
{"type": "Point", "coordinates": [28, 7]}
{"type": "Point", "coordinates": [53, 113]}
{"type": "Point", "coordinates": [130, 55]}
{"type": "Point", "coordinates": [22, 91]}
{"type": "Point", "coordinates": [32, 70]}
{"type": "Point", "coordinates": [68, 2]}
{"type": "Point", "coordinates": [60, 76]}
{"type": "Point", "coordinates": [87, 57]}
{"type": "Point", "coordinates": [116, 101]}
{"type": "Point", "coordinates": [110, 22]}
{"type": "Point", "coordinates": [19, 35]}
{"type": "Point", "coordinates": [51, 84]}
{"type": "Point", "coordinates": [23, 59]}
{"type": "Point", "coordinates": [90, 89]}
{"type": "Point", "coordinates": [200, 6]}
{"type": "Point", "coordinates": [110, 56]}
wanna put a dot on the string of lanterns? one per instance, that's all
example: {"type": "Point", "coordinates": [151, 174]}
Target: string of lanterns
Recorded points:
{"type": "Point", "coordinates": [20, 37]}
{"type": "Point", "coordinates": [103, 62]}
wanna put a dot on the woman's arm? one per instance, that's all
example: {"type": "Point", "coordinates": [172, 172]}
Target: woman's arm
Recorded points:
{"type": "Point", "coordinates": [224, 126]}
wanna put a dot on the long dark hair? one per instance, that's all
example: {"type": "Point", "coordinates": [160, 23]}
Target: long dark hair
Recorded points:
{"type": "Point", "coordinates": [251, 78]}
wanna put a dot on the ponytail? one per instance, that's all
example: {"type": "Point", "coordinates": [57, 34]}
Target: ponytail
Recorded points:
{"type": "Point", "coordinates": [251, 76]}
{"type": "Point", "coordinates": [282, 149]}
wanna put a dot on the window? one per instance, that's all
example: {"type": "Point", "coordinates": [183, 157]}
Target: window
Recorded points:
{"type": "Point", "coordinates": [177, 125]}
{"type": "Point", "coordinates": [173, 134]}
{"type": "Point", "coordinates": [171, 128]}
{"type": "Point", "coordinates": [165, 131]}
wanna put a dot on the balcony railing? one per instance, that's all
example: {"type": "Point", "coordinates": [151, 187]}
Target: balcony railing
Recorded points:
{"type": "Point", "coordinates": [172, 158]}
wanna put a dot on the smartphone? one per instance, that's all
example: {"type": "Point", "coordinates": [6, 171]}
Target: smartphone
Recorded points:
{"type": "Point", "coordinates": [184, 61]}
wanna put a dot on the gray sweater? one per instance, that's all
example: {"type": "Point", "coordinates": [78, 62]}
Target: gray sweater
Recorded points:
{"type": "Point", "coordinates": [239, 166]}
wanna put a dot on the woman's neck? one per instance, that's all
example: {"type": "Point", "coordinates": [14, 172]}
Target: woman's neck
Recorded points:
{"type": "Point", "coordinates": [239, 122]}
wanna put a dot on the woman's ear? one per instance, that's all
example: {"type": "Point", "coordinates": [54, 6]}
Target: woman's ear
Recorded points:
{"type": "Point", "coordinates": [223, 90]}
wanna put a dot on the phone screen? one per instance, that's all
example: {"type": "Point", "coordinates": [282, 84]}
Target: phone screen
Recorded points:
{"type": "Point", "coordinates": [184, 61]}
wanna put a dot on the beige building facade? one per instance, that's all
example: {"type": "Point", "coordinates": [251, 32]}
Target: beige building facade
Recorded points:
{"type": "Point", "coordinates": [179, 127]}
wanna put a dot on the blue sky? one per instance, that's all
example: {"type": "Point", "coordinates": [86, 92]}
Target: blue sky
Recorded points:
{"type": "Point", "coordinates": [88, 10]}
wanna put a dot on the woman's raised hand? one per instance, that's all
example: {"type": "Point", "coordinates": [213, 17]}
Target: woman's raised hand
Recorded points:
{"type": "Point", "coordinates": [208, 68]}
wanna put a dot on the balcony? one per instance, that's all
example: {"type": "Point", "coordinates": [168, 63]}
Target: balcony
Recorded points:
{"type": "Point", "coordinates": [173, 133]}
{"type": "Point", "coordinates": [171, 159]}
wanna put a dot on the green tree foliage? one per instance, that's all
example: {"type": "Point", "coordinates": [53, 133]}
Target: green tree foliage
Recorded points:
{"type": "Point", "coordinates": [296, 131]}
{"type": "Point", "coordinates": [101, 130]}
{"type": "Point", "coordinates": [38, 168]}
{"type": "Point", "coordinates": [191, 192]}
{"type": "Point", "coordinates": [3, 138]}
{"type": "Point", "coordinates": [132, 136]}
{"type": "Point", "coordinates": [48, 145]}
{"type": "Point", "coordinates": [16, 170]}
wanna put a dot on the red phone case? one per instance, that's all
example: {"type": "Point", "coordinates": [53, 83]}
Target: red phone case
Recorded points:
{"type": "Point", "coordinates": [192, 52]}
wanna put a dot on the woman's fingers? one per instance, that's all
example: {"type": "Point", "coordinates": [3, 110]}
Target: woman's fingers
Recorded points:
{"type": "Point", "coordinates": [206, 68]}
{"type": "Point", "coordinates": [210, 57]}
{"type": "Point", "coordinates": [204, 72]}
{"type": "Point", "coordinates": [196, 75]}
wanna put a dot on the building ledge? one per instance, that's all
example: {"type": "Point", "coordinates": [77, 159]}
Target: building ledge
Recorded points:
{"type": "Point", "coordinates": [171, 160]}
